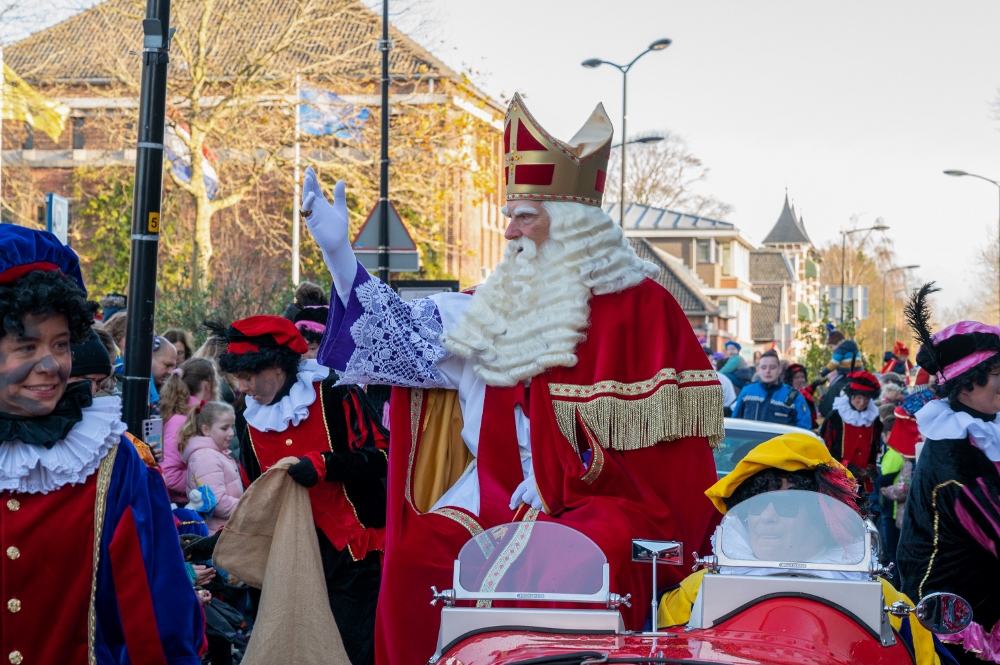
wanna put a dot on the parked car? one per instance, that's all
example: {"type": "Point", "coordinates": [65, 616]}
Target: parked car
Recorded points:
{"type": "Point", "coordinates": [742, 436]}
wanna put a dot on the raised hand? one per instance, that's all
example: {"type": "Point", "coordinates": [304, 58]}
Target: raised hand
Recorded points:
{"type": "Point", "coordinates": [328, 223]}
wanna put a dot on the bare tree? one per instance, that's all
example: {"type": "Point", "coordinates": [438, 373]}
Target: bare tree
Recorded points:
{"type": "Point", "coordinates": [666, 175]}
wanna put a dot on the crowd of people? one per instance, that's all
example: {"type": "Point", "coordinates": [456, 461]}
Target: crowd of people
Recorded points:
{"type": "Point", "coordinates": [568, 388]}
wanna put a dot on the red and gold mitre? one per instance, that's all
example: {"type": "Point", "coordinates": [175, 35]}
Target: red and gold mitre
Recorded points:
{"type": "Point", "coordinates": [540, 167]}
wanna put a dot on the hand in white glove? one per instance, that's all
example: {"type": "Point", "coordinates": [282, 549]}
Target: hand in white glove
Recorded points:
{"type": "Point", "coordinates": [328, 225]}
{"type": "Point", "coordinates": [527, 493]}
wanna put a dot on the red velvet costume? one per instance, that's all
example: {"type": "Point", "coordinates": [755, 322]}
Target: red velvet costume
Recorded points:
{"type": "Point", "coordinates": [854, 437]}
{"type": "Point", "coordinates": [651, 377]}
{"type": "Point", "coordinates": [333, 511]}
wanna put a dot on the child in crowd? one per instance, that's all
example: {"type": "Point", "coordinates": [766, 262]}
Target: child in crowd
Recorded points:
{"type": "Point", "coordinates": [204, 445]}
{"type": "Point", "coordinates": [194, 382]}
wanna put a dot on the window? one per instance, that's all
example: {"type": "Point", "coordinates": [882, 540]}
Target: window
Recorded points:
{"type": "Point", "coordinates": [77, 133]}
{"type": "Point", "coordinates": [727, 259]}
{"type": "Point", "coordinates": [723, 306]}
{"type": "Point", "coordinates": [704, 251]}
{"type": "Point", "coordinates": [29, 137]}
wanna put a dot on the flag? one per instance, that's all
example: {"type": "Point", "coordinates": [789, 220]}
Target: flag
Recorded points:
{"type": "Point", "coordinates": [175, 140]}
{"type": "Point", "coordinates": [24, 103]}
{"type": "Point", "coordinates": [322, 113]}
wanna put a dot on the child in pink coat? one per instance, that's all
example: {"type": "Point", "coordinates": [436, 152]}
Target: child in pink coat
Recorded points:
{"type": "Point", "coordinates": [204, 445]}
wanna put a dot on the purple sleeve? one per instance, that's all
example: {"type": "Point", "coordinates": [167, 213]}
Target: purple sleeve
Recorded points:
{"type": "Point", "coordinates": [378, 338]}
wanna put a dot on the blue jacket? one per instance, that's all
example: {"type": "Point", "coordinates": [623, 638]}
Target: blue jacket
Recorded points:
{"type": "Point", "coordinates": [771, 403]}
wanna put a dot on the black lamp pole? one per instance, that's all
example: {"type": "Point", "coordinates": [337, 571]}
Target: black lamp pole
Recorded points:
{"type": "Point", "coordinates": [385, 45]}
{"type": "Point", "coordinates": [146, 213]}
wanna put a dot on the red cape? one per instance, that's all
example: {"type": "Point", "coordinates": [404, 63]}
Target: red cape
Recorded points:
{"type": "Point", "coordinates": [645, 402]}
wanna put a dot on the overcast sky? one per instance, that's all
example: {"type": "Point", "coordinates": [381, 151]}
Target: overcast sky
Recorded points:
{"type": "Point", "coordinates": [855, 106]}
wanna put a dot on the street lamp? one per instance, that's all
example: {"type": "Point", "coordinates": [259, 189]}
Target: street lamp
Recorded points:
{"type": "Point", "coordinates": [879, 226]}
{"type": "Point", "coordinates": [895, 310]}
{"type": "Point", "coordinates": [654, 138]}
{"type": "Point", "coordinates": [994, 182]}
{"type": "Point", "coordinates": [884, 275]}
{"type": "Point", "coordinates": [658, 45]}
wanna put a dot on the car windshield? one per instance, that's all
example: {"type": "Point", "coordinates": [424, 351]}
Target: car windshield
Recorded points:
{"type": "Point", "coordinates": [735, 446]}
{"type": "Point", "coordinates": [794, 526]}
{"type": "Point", "coordinates": [531, 557]}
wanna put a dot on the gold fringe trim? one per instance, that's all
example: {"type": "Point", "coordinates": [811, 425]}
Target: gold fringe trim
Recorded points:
{"type": "Point", "coordinates": [670, 412]}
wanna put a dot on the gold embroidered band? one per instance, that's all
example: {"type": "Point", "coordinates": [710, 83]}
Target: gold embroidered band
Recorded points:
{"type": "Point", "coordinates": [631, 416]}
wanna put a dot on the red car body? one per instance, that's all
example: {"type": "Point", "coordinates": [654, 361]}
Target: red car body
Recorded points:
{"type": "Point", "coordinates": [778, 631]}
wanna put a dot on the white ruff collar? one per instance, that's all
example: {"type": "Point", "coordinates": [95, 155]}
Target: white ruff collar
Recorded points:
{"type": "Point", "coordinates": [852, 416]}
{"type": "Point", "coordinates": [293, 407]}
{"type": "Point", "coordinates": [937, 420]}
{"type": "Point", "coordinates": [35, 469]}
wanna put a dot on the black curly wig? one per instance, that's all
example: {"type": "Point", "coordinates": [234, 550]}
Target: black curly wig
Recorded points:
{"type": "Point", "coordinates": [254, 363]}
{"type": "Point", "coordinates": [46, 292]}
{"type": "Point", "coordinates": [823, 479]}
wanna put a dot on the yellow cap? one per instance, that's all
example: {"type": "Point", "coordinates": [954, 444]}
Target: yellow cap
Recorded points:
{"type": "Point", "coordinates": [788, 452]}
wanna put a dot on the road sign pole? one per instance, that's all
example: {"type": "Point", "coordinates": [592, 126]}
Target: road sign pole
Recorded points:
{"type": "Point", "coordinates": [385, 45]}
{"type": "Point", "coordinates": [146, 213]}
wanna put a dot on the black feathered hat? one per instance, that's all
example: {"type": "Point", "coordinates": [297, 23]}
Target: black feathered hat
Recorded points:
{"type": "Point", "coordinates": [955, 350]}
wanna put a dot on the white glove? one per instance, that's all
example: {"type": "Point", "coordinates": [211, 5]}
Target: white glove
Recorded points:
{"type": "Point", "coordinates": [328, 225]}
{"type": "Point", "coordinates": [527, 493]}
{"type": "Point", "coordinates": [195, 501]}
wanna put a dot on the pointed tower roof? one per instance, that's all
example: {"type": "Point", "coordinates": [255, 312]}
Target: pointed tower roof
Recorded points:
{"type": "Point", "coordinates": [788, 229]}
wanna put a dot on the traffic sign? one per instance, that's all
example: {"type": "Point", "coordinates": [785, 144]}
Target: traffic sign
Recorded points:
{"type": "Point", "coordinates": [403, 253]}
{"type": "Point", "coordinates": [57, 216]}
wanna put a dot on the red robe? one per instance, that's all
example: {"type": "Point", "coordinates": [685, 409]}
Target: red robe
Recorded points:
{"type": "Point", "coordinates": [642, 399]}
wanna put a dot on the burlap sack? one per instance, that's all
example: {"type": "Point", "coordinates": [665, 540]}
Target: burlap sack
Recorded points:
{"type": "Point", "coordinates": [270, 542]}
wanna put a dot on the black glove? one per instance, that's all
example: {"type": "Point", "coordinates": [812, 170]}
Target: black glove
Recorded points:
{"type": "Point", "coordinates": [199, 549]}
{"type": "Point", "coordinates": [304, 472]}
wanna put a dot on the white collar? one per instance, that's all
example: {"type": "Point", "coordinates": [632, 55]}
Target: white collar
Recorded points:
{"type": "Point", "coordinates": [937, 420]}
{"type": "Point", "coordinates": [293, 407]}
{"type": "Point", "coordinates": [852, 416]}
{"type": "Point", "coordinates": [35, 469]}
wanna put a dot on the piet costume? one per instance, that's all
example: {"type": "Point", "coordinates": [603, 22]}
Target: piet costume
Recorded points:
{"type": "Point", "coordinates": [805, 464]}
{"type": "Point", "coordinates": [854, 437]}
{"type": "Point", "coordinates": [616, 446]}
{"type": "Point", "coordinates": [951, 527]}
{"type": "Point", "coordinates": [897, 361]}
{"type": "Point", "coordinates": [91, 566]}
{"type": "Point", "coordinates": [336, 428]}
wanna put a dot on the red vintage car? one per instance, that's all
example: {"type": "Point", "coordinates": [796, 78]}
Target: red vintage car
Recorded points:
{"type": "Point", "coordinates": [539, 594]}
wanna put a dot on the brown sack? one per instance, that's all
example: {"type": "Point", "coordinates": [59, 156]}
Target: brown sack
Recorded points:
{"type": "Point", "coordinates": [270, 542]}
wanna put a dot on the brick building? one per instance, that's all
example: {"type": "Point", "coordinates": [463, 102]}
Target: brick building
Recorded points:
{"type": "Point", "coordinates": [90, 62]}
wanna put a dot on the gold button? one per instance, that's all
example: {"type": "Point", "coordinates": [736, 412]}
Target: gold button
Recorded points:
{"type": "Point", "coordinates": [288, 442]}
{"type": "Point", "coordinates": [15, 657]}
{"type": "Point", "coordinates": [13, 552]}
{"type": "Point", "coordinates": [14, 605]}
{"type": "Point", "coordinates": [13, 504]}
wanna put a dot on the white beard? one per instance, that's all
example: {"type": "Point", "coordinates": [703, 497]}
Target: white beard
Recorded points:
{"type": "Point", "coordinates": [533, 311]}
{"type": "Point", "coordinates": [528, 316]}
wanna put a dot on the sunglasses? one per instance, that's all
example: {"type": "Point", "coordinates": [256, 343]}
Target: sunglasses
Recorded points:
{"type": "Point", "coordinates": [784, 506]}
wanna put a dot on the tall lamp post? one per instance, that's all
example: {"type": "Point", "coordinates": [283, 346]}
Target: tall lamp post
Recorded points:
{"type": "Point", "coordinates": [895, 310]}
{"type": "Point", "coordinates": [884, 276]}
{"type": "Point", "coordinates": [658, 45]}
{"type": "Point", "coordinates": [879, 226]}
{"type": "Point", "coordinates": [997, 184]}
